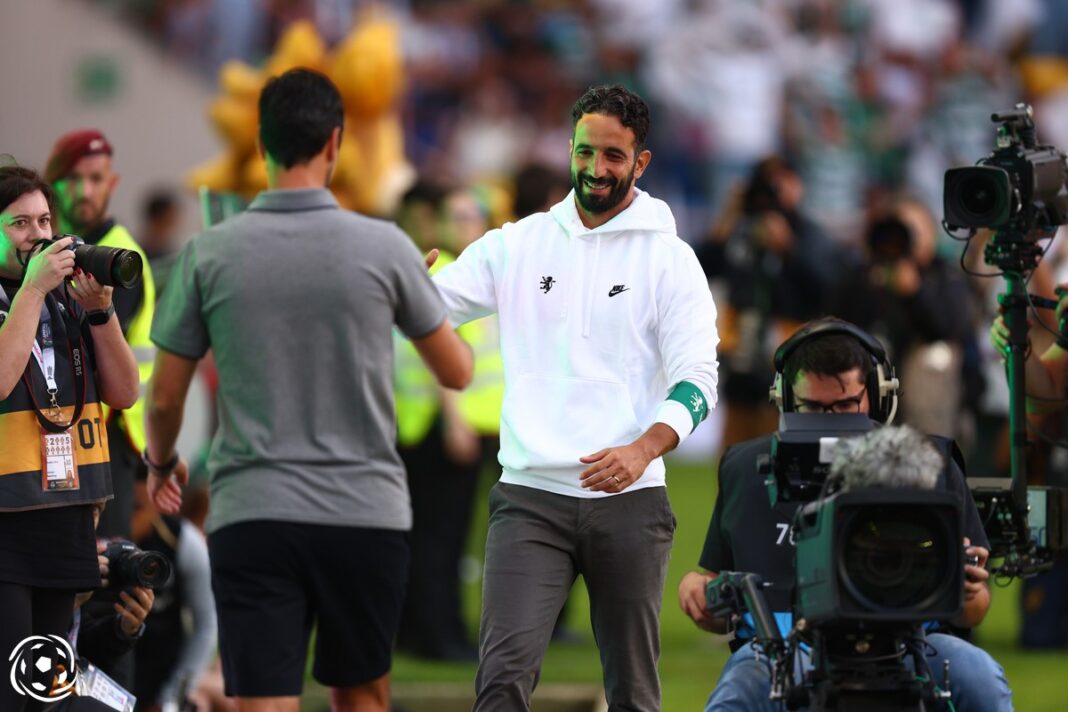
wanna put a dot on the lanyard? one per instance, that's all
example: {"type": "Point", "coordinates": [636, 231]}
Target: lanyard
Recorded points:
{"type": "Point", "coordinates": [45, 355]}
{"type": "Point", "coordinates": [43, 352]}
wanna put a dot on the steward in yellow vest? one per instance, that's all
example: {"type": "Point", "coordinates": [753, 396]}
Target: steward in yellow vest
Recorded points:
{"type": "Point", "coordinates": [81, 172]}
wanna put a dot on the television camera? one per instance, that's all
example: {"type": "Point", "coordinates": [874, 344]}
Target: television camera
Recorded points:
{"type": "Point", "coordinates": [871, 566]}
{"type": "Point", "coordinates": [1020, 191]}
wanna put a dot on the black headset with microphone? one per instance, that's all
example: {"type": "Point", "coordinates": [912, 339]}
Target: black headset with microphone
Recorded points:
{"type": "Point", "coordinates": [882, 385]}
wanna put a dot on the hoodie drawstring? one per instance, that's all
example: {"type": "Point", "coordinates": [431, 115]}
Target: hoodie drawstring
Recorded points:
{"type": "Point", "coordinates": [589, 293]}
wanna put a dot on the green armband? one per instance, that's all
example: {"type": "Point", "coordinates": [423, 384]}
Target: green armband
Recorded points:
{"type": "Point", "coordinates": [691, 397]}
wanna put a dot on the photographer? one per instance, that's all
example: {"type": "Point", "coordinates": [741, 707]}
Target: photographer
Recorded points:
{"type": "Point", "coordinates": [109, 621]}
{"type": "Point", "coordinates": [779, 269]}
{"type": "Point", "coordinates": [828, 366]}
{"type": "Point", "coordinates": [918, 305]}
{"type": "Point", "coordinates": [61, 356]}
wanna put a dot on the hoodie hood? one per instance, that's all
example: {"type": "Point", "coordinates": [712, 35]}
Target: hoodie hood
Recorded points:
{"type": "Point", "coordinates": [644, 213]}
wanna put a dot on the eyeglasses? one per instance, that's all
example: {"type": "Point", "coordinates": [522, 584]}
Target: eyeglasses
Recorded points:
{"type": "Point", "coordinates": [845, 405]}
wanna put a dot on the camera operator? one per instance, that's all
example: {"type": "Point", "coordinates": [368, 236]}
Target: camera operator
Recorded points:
{"type": "Point", "coordinates": [1046, 369]}
{"type": "Point", "coordinates": [834, 367]}
{"type": "Point", "coordinates": [56, 368]}
{"type": "Point", "coordinates": [1043, 605]}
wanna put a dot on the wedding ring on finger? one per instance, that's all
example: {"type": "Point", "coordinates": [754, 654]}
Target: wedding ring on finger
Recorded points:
{"type": "Point", "coordinates": [618, 481]}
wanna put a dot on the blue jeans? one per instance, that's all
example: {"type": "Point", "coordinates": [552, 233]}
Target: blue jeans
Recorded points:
{"type": "Point", "coordinates": [977, 682]}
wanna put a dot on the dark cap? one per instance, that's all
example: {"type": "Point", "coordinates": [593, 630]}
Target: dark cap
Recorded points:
{"type": "Point", "coordinates": [73, 147]}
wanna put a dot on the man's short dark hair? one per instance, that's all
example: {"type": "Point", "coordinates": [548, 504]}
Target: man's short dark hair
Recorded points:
{"type": "Point", "coordinates": [534, 187]}
{"type": "Point", "coordinates": [830, 355]}
{"type": "Point", "coordinates": [158, 203]}
{"type": "Point", "coordinates": [424, 191]}
{"type": "Point", "coordinates": [298, 112]}
{"type": "Point", "coordinates": [620, 102]}
{"type": "Point", "coordinates": [16, 181]}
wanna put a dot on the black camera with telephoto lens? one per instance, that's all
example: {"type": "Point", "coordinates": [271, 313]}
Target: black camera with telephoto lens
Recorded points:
{"type": "Point", "coordinates": [111, 266]}
{"type": "Point", "coordinates": [130, 566]}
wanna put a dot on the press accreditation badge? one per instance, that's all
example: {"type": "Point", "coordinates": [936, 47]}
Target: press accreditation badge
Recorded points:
{"type": "Point", "coordinates": [59, 471]}
{"type": "Point", "coordinates": [94, 683]}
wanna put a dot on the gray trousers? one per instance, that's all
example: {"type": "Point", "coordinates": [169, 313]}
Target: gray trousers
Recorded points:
{"type": "Point", "coordinates": [538, 543]}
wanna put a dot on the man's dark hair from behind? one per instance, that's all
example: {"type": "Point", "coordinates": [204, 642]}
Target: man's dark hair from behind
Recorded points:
{"type": "Point", "coordinates": [534, 186]}
{"type": "Point", "coordinates": [828, 355]}
{"type": "Point", "coordinates": [424, 191]}
{"type": "Point", "coordinates": [298, 112]}
{"type": "Point", "coordinates": [16, 181]}
{"type": "Point", "coordinates": [158, 203]}
{"type": "Point", "coordinates": [618, 101]}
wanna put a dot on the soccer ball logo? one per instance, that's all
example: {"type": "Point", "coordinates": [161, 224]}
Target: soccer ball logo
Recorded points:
{"type": "Point", "coordinates": [43, 668]}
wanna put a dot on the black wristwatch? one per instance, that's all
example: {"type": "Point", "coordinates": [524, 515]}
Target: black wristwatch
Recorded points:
{"type": "Point", "coordinates": [99, 317]}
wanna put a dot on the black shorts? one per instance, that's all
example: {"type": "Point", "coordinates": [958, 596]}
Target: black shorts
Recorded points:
{"type": "Point", "coordinates": [273, 581]}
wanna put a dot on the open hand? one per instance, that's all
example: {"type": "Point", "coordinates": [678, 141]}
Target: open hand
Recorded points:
{"type": "Point", "coordinates": [165, 493]}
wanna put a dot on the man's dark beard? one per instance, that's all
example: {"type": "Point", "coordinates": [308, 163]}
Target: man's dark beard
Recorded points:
{"type": "Point", "coordinates": [596, 205]}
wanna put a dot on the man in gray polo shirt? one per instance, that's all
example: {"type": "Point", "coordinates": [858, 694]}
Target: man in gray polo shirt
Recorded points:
{"type": "Point", "coordinates": [297, 300]}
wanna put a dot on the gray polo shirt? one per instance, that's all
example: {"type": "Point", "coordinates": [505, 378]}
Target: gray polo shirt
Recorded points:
{"type": "Point", "coordinates": [297, 300]}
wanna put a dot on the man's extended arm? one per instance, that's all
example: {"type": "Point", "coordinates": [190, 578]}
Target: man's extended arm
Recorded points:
{"type": "Point", "coordinates": [468, 285]}
{"type": "Point", "coordinates": [447, 356]}
{"type": "Point", "coordinates": [164, 407]}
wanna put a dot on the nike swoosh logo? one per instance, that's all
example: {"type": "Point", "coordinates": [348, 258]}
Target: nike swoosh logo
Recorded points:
{"type": "Point", "coordinates": [616, 290]}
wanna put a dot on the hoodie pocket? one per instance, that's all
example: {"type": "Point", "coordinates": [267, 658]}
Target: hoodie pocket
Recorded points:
{"type": "Point", "coordinates": [552, 421]}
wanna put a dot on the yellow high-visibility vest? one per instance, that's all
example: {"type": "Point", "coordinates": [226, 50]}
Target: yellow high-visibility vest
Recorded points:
{"type": "Point", "coordinates": [415, 392]}
{"type": "Point", "coordinates": [480, 403]}
{"type": "Point", "coordinates": [137, 336]}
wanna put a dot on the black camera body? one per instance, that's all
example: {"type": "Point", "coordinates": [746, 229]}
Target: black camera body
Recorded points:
{"type": "Point", "coordinates": [1021, 185]}
{"type": "Point", "coordinates": [130, 566]}
{"type": "Point", "coordinates": [111, 266]}
{"type": "Point", "coordinates": [801, 452]}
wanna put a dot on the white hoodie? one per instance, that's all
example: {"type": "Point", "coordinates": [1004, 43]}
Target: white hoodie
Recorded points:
{"type": "Point", "coordinates": [597, 326]}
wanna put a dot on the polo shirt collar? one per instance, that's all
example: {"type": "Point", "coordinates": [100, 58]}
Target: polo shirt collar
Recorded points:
{"type": "Point", "coordinates": [292, 200]}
